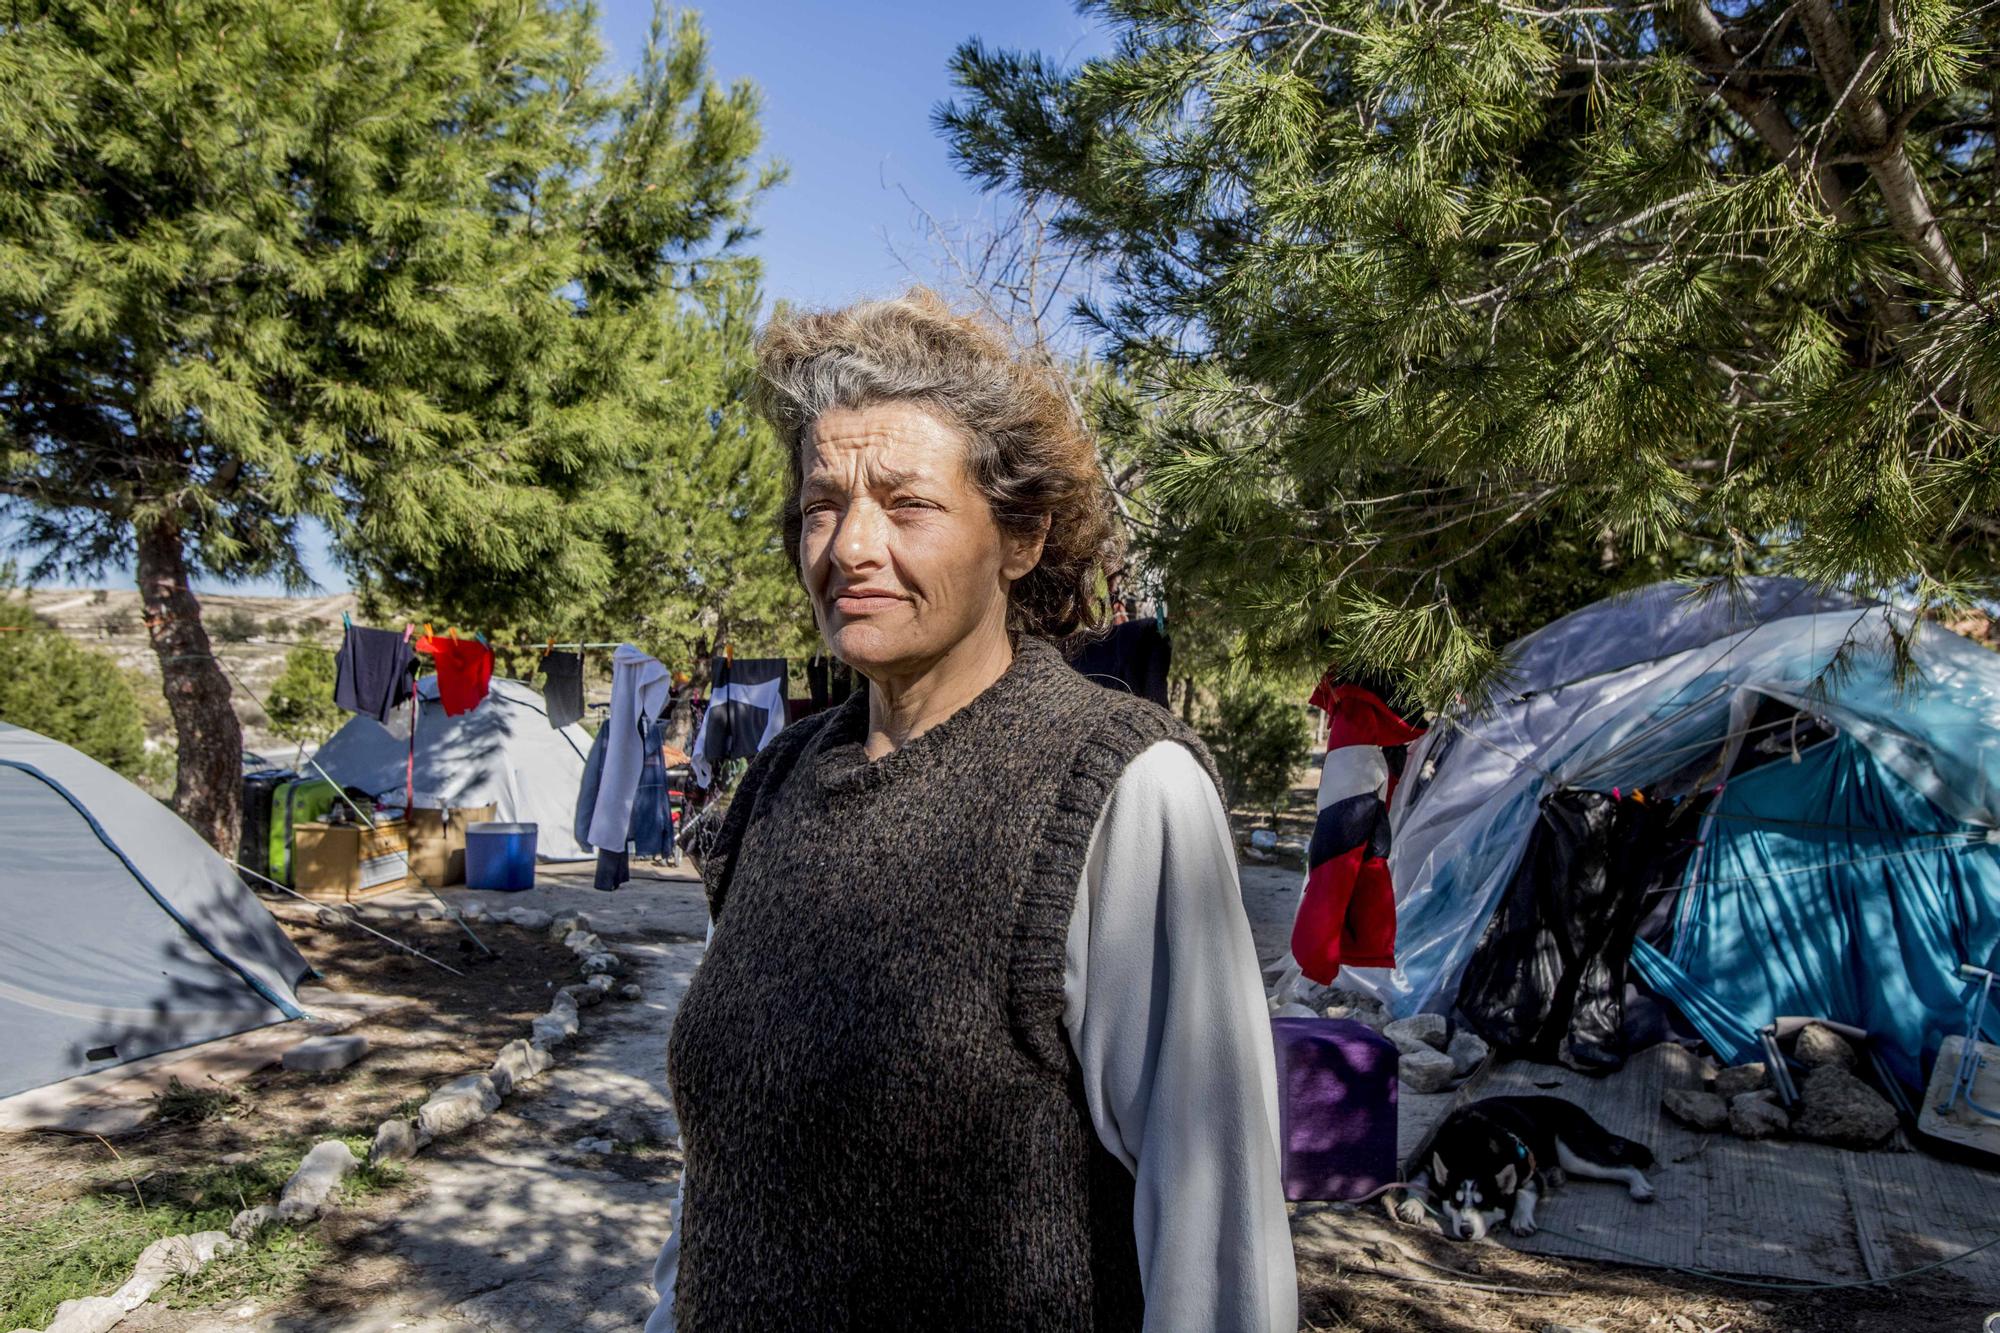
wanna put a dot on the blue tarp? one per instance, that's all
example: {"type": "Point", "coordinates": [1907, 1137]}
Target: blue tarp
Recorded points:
{"type": "Point", "coordinates": [1829, 888]}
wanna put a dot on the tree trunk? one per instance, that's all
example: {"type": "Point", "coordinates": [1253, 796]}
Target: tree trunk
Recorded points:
{"type": "Point", "coordinates": [208, 780]}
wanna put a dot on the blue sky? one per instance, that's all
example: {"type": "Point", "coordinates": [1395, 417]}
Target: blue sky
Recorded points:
{"type": "Point", "coordinates": [848, 90]}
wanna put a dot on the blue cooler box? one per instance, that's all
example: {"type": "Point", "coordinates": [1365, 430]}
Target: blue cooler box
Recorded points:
{"type": "Point", "coordinates": [500, 857]}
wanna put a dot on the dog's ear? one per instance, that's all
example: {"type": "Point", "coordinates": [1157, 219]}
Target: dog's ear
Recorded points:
{"type": "Point", "coordinates": [1505, 1180]}
{"type": "Point", "coordinates": [1438, 1173]}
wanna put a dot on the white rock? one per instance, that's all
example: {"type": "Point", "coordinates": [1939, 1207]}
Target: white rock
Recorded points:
{"type": "Point", "coordinates": [1736, 1080]}
{"type": "Point", "coordinates": [1757, 1115]}
{"type": "Point", "coordinates": [305, 1194]}
{"type": "Point", "coordinates": [520, 1062]}
{"type": "Point", "coordinates": [529, 918]}
{"type": "Point", "coordinates": [1419, 1032]}
{"type": "Point", "coordinates": [582, 943]}
{"type": "Point", "coordinates": [583, 995]}
{"type": "Point", "coordinates": [473, 911]}
{"type": "Point", "coordinates": [458, 1104]}
{"type": "Point", "coordinates": [395, 1141]}
{"type": "Point", "coordinates": [1467, 1051]}
{"type": "Point", "coordinates": [554, 1028]}
{"type": "Point", "coordinates": [251, 1221]}
{"type": "Point", "coordinates": [159, 1263]}
{"type": "Point", "coordinates": [631, 990]}
{"type": "Point", "coordinates": [603, 963]}
{"type": "Point", "coordinates": [1263, 839]}
{"type": "Point", "coordinates": [1817, 1044]}
{"type": "Point", "coordinates": [602, 983]}
{"type": "Point", "coordinates": [602, 1147]}
{"type": "Point", "coordinates": [566, 924]}
{"type": "Point", "coordinates": [92, 1314]}
{"type": "Point", "coordinates": [1696, 1109]}
{"type": "Point", "coordinates": [429, 914]}
{"type": "Point", "coordinates": [1424, 1070]}
{"type": "Point", "coordinates": [1836, 1107]}
{"type": "Point", "coordinates": [323, 1055]}
{"type": "Point", "coordinates": [1352, 1007]}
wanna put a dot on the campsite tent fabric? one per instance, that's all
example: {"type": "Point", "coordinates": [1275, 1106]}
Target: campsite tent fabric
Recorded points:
{"type": "Point", "coordinates": [502, 753]}
{"type": "Point", "coordinates": [1835, 858]}
{"type": "Point", "coordinates": [126, 934]}
{"type": "Point", "coordinates": [1634, 690]}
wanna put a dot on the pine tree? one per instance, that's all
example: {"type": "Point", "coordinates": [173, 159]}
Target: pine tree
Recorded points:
{"type": "Point", "coordinates": [1450, 307]}
{"type": "Point", "coordinates": [300, 700]}
{"type": "Point", "coordinates": [65, 691]}
{"type": "Point", "coordinates": [400, 267]}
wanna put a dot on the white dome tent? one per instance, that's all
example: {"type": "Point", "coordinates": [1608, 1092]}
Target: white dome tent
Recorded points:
{"type": "Point", "coordinates": [127, 934]}
{"type": "Point", "coordinates": [503, 753]}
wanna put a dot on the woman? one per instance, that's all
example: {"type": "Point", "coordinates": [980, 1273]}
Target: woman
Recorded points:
{"type": "Point", "coordinates": [979, 1041]}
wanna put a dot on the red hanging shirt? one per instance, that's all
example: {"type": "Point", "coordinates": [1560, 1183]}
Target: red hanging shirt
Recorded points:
{"type": "Point", "coordinates": [464, 670]}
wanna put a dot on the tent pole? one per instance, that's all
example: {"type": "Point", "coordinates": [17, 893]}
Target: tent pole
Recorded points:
{"type": "Point", "coordinates": [349, 917]}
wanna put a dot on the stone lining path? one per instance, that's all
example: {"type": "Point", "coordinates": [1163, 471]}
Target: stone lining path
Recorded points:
{"type": "Point", "coordinates": [525, 1224]}
{"type": "Point", "coordinates": [517, 1226]}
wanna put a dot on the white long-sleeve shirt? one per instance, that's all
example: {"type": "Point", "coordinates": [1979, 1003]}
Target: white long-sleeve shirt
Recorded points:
{"type": "Point", "coordinates": [1164, 1007]}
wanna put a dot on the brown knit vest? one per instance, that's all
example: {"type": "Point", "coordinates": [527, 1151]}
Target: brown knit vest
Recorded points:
{"type": "Point", "coordinates": [885, 1128]}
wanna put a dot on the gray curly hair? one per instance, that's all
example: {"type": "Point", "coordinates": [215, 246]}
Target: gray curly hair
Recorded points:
{"type": "Point", "coordinates": [1030, 455]}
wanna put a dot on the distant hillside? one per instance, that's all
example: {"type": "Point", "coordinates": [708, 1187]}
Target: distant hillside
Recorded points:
{"type": "Point", "coordinates": [111, 620]}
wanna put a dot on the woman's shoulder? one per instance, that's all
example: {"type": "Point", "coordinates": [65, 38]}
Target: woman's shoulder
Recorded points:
{"type": "Point", "coordinates": [1131, 738]}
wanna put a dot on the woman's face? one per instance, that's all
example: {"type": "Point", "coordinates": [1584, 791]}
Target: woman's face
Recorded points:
{"type": "Point", "coordinates": [900, 551]}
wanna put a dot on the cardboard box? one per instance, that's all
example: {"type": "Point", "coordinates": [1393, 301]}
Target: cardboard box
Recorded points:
{"type": "Point", "coordinates": [343, 862]}
{"type": "Point", "coordinates": [437, 843]}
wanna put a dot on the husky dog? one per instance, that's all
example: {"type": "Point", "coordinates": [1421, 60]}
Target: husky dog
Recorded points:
{"type": "Point", "coordinates": [1492, 1158]}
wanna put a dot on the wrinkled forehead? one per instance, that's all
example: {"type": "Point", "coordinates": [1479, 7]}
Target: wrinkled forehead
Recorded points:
{"type": "Point", "coordinates": [883, 444]}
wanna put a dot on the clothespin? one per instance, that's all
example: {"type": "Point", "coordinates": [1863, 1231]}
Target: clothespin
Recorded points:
{"type": "Point", "coordinates": [408, 630]}
{"type": "Point", "coordinates": [551, 646]}
{"type": "Point", "coordinates": [729, 653]}
{"type": "Point", "coordinates": [346, 621]}
{"type": "Point", "coordinates": [1160, 614]}
{"type": "Point", "coordinates": [453, 632]}
{"type": "Point", "coordinates": [479, 635]}
{"type": "Point", "coordinates": [429, 633]}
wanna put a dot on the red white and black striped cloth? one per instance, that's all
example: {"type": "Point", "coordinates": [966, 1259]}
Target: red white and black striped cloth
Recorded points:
{"type": "Point", "coordinates": [1347, 914]}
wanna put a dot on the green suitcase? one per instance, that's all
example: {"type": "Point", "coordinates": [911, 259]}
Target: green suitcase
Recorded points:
{"type": "Point", "coordinates": [292, 804]}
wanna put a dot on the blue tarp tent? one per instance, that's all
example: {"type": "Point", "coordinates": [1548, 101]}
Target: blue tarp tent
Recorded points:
{"type": "Point", "coordinates": [1845, 879]}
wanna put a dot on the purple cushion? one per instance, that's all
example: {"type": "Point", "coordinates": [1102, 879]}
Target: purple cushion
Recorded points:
{"type": "Point", "coordinates": [1336, 1107]}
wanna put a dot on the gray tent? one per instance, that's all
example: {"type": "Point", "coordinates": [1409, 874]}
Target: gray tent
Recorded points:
{"type": "Point", "coordinates": [126, 934]}
{"type": "Point", "coordinates": [503, 753]}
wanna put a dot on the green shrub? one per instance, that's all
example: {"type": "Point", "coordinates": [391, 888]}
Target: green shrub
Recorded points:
{"type": "Point", "coordinates": [1259, 736]}
{"type": "Point", "coordinates": [301, 699]}
{"type": "Point", "coordinates": [67, 692]}
{"type": "Point", "coordinates": [234, 626]}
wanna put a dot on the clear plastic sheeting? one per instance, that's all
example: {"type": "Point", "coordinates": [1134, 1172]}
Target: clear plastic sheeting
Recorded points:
{"type": "Point", "coordinates": [1652, 622]}
{"type": "Point", "coordinates": [1645, 700]}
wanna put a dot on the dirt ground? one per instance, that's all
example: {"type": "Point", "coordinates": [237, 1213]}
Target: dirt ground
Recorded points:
{"type": "Point", "coordinates": [236, 1142]}
{"type": "Point", "coordinates": [1357, 1271]}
